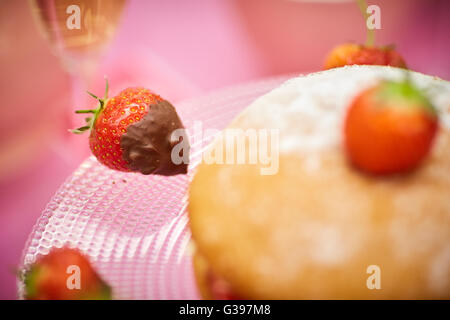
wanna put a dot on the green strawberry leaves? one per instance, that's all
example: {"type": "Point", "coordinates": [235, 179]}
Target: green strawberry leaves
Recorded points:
{"type": "Point", "coordinates": [90, 121]}
{"type": "Point", "coordinates": [406, 94]}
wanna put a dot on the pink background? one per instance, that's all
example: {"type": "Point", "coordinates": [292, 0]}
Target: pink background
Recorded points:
{"type": "Point", "coordinates": [179, 49]}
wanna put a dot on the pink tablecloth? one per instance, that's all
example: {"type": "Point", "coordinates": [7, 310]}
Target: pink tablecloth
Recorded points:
{"type": "Point", "coordinates": [180, 49]}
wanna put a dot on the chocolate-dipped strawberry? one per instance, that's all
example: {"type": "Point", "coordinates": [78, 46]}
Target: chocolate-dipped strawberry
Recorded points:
{"type": "Point", "coordinates": [137, 131]}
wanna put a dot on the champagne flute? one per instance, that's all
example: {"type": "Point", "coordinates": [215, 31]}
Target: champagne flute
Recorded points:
{"type": "Point", "coordinates": [78, 32]}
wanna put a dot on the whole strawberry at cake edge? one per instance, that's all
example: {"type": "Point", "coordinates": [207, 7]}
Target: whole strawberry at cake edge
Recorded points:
{"type": "Point", "coordinates": [352, 53]}
{"type": "Point", "coordinates": [364, 54]}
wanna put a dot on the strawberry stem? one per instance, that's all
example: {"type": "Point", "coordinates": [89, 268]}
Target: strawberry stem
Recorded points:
{"type": "Point", "coordinates": [106, 89]}
{"type": "Point", "coordinates": [90, 121]}
{"type": "Point", "coordinates": [85, 111]}
{"type": "Point", "coordinates": [370, 33]}
{"type": "Point", "coordinates": [93, 95]}
{"type": "Point", "coordinates": [80, 129]}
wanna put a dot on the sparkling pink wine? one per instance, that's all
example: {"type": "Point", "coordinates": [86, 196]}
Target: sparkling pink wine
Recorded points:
{"type": "Point", "coordinates": [77, 26]}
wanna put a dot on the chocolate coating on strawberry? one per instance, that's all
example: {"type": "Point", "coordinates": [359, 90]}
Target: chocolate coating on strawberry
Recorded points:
{"type": "Point", "coordinates": [147, 145]}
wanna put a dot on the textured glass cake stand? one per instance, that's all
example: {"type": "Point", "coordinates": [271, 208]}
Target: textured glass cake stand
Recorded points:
{"type": "Point", "coordinates": [133, 227]}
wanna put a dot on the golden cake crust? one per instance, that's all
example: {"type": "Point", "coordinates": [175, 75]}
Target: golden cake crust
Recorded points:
{"type": "Point", "coordinates": [312, 230]}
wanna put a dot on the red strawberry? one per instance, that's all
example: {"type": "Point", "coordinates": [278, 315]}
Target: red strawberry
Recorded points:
{"type": "Point", "coordinates": [350, 54]}
{"type": "Point", "coordinates": [219, 288]}
{"type": "Point", "coordinates": [132, 132]}
{"type": "Point", "coordinates": [389, 128]}
{"type": "Point", "coordinates": [48, 278]}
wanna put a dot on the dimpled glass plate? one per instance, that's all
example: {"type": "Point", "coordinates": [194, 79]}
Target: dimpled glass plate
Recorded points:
{"type": "Point", "coordinates": [134, 228]}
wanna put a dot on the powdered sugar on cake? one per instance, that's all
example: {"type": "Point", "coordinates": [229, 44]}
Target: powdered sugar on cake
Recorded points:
{"type": "Point", "coordinates": [309, 110]}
